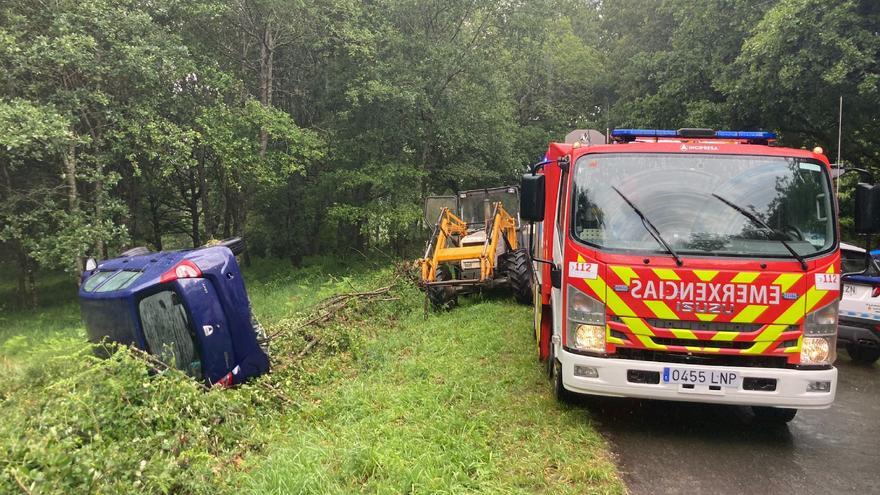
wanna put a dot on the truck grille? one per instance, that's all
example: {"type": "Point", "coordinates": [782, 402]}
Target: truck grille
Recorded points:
{"type": "Point", "coordinates": [702, 359]}
{"type": "Point", "coordinates": [708, 326]}
{"type": "Point", "coordinates": [717, 344]}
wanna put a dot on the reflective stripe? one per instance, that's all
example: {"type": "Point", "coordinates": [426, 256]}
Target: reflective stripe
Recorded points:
{"type": "Point", "coordinates": [765, 338]}
{"type": "Point", "coordinates": [625, 273]}
{"type": "Point", "coordinates": [745, 277]}
{"type": "Point", "coordinates": [683, 333]}
{"type": "Point", "coordinates": [706, 275]}
{"type": "Point", "coordinates": [662, 311]}
{"type": "Point", "coordinates": [666, 273]}
{"type": "Point", "coordinates": [786, 280]}
{"type": "Point", "coordinates": [749, 314]}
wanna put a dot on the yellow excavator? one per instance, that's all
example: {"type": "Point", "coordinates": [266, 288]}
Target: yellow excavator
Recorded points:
{"type": "Point", "coordinates": [475, 245]}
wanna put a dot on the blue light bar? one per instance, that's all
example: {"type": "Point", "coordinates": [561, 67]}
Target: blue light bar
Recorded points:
{"type": "Point", "coordinates": [745, 135]}
{"type": "Point", "coordinates": [670, 133]}
{"type": "Point", "coordinates": [644, 133]}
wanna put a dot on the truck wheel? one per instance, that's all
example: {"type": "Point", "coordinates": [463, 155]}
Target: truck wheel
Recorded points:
{"type": "Point", "coordinates": [442, 297]}
{"type": "Point", "coordinates": [135, 251]}
{"type": "Point", "coordinates": [773, 415]}
{"type": "Point", "coordinates": [863, 355]}
{"type": "Point", "coordinates": [554, 367]}
{"type": "Point", "coordinates": [518, 269]}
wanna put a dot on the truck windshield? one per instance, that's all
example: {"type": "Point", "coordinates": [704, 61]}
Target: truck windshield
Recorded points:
{"type": "Point", "coordinates": [697, 203]}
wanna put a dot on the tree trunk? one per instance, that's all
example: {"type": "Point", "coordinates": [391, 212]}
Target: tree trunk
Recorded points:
{"type": "Point", "coordinates": [100, 247]}
{"type": "Point", "coordinates": [194, 209]}
{"type": "Point", "coordinates": [267, 53]}
{"type": "Point", "coordinates": [206, 202]}
{"type": "Point", "coordinates": [69, 159]}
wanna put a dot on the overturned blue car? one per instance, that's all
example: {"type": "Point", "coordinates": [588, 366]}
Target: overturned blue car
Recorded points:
{"type": "Point", "coordinates": [188, 308]}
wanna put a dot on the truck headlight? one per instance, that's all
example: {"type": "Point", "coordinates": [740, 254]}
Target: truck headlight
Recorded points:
{"type": "Point", "coordinates": [819, 344]}
{"type": "Point", "coordinates": [586, 322]}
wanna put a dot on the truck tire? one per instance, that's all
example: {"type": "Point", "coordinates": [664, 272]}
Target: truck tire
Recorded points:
{"type": "Point", "coordinates": [773, 415]}
{"type": "Point", "coordinates": [518, 268]}
{"type": "Point", "coordinates": [560, 393]}
{"type": "Point", "coordinates": [442, 297]}
{"type": "Point", "coordinates": [863, 355]}
{"type": "Point", "coordinates": [135, 251]}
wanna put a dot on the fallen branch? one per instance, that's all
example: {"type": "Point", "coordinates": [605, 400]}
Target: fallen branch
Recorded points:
{"type": "Point", "coordinates": [329, 307]}
{"type": "Point", "coordinates": [307, 348]}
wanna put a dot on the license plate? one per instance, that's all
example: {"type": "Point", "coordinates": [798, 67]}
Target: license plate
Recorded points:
{"type": "Point", "coordinates": [692, 376]}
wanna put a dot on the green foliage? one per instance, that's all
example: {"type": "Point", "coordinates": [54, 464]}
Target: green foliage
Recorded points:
{"type": "Point", "coordinates": [318, 127]}
{"type": "Point", "coordinates": [73, 422]}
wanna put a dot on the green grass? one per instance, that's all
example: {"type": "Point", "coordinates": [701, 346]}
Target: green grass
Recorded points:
{"type": "Point", "coordinates": [453, 403]}
{"type": "Point", "coordinates": [393, 400]}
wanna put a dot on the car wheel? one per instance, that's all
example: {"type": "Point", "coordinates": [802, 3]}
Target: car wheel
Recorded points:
{"type": "Point", "coordinates": [863, 355]}
{"type": "Point", "coordinates": [773, 415]}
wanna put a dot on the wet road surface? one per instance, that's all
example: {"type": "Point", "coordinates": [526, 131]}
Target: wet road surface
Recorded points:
{"type": "Point", "coordinates": [673, 447]}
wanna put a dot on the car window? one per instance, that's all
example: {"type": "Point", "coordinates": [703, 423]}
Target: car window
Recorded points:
{"type": "Point", "coordinates": [96, 280]}
{"type": "Point", "coordinates": [119, 281]}
{"type": "Point", "coordinates": [168, 332]}
{"type": "Point", "coordinates": [854, 262]}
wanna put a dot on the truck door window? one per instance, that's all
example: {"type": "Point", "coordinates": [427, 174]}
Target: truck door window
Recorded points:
{"type": "Point", "coordinates": [168, 332]}
{"type": "Point", "coordinates": [560, 200]}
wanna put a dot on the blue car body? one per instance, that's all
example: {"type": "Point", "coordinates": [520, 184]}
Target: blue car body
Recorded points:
{"type": "Point", "coordinates": [190, 308]}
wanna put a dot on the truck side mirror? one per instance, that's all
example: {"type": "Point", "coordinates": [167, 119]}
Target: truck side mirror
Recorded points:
{"type": "Point", "coordinates": [867, 209]}
{"type": "Point", "coordinates": [531, 198]}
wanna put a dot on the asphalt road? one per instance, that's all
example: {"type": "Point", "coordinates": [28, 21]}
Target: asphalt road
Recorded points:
{"type": "Point", "coordinates": [673, 447]}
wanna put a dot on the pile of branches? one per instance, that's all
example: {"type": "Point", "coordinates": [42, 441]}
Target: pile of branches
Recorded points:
{"type": "Point", "coordinates": [326, 310]}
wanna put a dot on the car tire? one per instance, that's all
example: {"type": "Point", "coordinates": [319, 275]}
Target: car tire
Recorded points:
{"type": "Point", "coordinates": [773, 415]}
{"type": "Point", "coordinates": [863, 355]}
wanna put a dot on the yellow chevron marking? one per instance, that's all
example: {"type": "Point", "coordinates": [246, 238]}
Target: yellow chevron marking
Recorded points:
{"type": "Point", "coordinates": [666, 274]}
{"type": "Point", "coordinates": [749, 314]}
{"type": "Point", "coordinates": [706, 316]}
{"type": "Point", "coordinates": [625, 273]}
{"type": "Point", "coordinates": [692, 348]}
{"type": "Point", "coordinates": [610, 339]}
{"type": "Point", "coordinates": [682, 333]}
{"type": "Point", "coordinates": [647, 342]}
{"type": "Point", "coordinates": [706, 275]}
{"type": "Point", "coordinates": [745, 277]}
{"type": "Point", "coordinates": [797, 347]}
{"type": "Point", "coordinates": [711, 349]}
{"type": "Point", "coordinates": [660, 309]}
{"type": "Point", "coordinates": [637, 326]}
{"type": "Point", "coordinates": [725, 336]}
{"type": "Point", "coordinates": [610, 298]}
{"type": "Point", "coordinates": [786, 280]}
{"type": "Point", "coordinates": [765, 339]}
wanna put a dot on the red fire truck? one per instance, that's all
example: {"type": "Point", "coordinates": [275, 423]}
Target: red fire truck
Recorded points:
{"type": "Point", "coordinates": [688, 265]}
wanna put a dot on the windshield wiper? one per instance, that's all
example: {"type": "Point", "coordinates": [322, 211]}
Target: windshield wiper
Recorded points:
{"type": "Point", "coordinates": [757, 221]}
{"type": "Point", "coordinates": [650, 228]}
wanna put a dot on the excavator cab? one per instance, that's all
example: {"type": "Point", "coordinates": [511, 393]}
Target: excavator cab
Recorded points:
{"type": "Point", "coordinates": [475, 245]}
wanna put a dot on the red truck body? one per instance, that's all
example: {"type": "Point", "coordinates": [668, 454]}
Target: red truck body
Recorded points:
{"type": "Point", "coordinates": [721, 312]}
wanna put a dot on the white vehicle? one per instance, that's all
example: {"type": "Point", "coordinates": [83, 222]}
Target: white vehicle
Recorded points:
{"type": "Point", "coordinates": [859, 327]}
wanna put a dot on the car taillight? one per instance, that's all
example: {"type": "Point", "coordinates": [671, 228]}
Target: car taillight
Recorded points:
{"type": "Point", "coordinates": [876, 291]}
{"type": "Point", "coordinates": [184, 269]}
{"type": "Point", "coordinates": [225, 382]}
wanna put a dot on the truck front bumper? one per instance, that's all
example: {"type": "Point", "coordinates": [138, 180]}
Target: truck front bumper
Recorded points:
{"type": "Point", "coordinates": [613, 380]}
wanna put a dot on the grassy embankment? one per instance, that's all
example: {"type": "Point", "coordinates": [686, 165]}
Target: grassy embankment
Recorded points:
{"type": "Point", "coordinates": [390, 401]}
